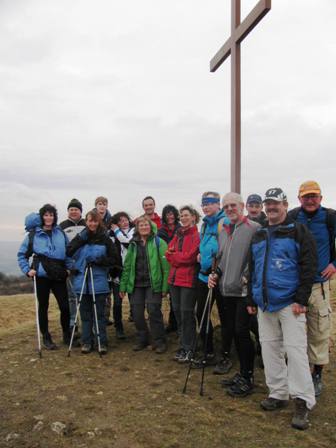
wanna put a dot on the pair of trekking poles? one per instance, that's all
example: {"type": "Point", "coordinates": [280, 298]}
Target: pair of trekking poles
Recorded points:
{"type": "Point", "coordinates": [206, 315]}
{"type": "Point", "coordinates": [88, 270]}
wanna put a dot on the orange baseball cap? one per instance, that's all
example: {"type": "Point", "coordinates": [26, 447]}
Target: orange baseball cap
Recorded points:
{"type": "Point", "coordinates": [309, 187]}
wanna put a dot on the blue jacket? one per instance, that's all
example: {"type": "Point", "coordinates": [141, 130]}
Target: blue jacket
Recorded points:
{"type": "Point", "coordinates": [98, 251]}
{"type": "Point", "coordinates": [51, 246]}
{"type": "Point", "coordinates": [282, 266]}
{"type": "Point", "coordinates": [317, 224]}
{"type": "Point", "coordinates": [209, 243]}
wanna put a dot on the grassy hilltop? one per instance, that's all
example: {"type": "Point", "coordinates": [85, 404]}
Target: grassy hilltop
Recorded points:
{"type": "Point", "coordinates": [131, 400]}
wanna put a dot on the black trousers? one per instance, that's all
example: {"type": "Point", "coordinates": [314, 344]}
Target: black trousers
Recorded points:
{"type": "Point", "coordinates": [235, 326]}
{"type": "Point", "coordinates": [201, 297]}
{"type": "Point", "coordinates": [43, 288]}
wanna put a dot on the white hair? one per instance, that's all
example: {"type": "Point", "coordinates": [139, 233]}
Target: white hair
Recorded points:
{"type": "Point", "coordinates": [236, 197]}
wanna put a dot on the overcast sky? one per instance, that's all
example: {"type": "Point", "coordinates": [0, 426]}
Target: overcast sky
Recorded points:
{"type": "Point", "coordinates": [115, 98]}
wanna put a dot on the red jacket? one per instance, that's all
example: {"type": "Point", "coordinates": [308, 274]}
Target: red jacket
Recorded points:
{"type": "Point", "coordinates": [184, 249]}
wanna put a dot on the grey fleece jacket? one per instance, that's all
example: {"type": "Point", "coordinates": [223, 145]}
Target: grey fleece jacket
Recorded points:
{"type": "Point", "coordinates": [233, 257]}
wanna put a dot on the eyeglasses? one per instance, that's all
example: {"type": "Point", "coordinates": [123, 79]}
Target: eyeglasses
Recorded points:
{"type": "Point", "coordinates": [308, 197]}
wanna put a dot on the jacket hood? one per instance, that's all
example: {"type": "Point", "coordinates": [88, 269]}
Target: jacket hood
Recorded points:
{"type": "Point", "coordinates": [33, 221]}
{"type": "Point", "coordinates": [215, 218]}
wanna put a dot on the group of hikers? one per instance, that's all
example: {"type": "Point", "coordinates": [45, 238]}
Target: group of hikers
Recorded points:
{"type": "Point", "coordinates": [268, 271]}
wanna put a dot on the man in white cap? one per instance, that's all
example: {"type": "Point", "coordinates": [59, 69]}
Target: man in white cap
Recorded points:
{"type": "Point", "coordinates": [282, 266]}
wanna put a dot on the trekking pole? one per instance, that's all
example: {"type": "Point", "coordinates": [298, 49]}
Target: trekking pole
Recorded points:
{"type": "Point", "coordinates": [196, 341]}
{"type": "Point", "coordinates": [37, 319]}
{"type": "Point", "coordinates": [208, 308]}
{"type": "Point", "coordinates": [95, 310]}
{"type": "Point", "coordinates": [77, 310]}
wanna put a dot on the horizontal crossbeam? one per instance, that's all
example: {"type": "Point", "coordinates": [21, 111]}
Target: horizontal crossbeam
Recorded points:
{"type": "Point", "coordinates": [253, 18]}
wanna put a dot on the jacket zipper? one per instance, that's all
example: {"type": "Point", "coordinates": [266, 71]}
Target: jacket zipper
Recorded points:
{"type": "Point", "coordinates": [179, 246]}
{"type": "Point", "coordinates": [265, 297]}
{"type": "Point", "coordinates": [228, 256]}
{"type": "Point", "coordinates": [149, 271]}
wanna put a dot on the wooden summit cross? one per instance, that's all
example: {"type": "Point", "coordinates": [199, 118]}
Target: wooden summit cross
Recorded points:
{"type": "Point", "coordinates": [232, 46]}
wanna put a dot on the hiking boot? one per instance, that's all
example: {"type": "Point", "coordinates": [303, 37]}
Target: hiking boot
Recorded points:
{"type": "Point", "coordinates": [223, 366]}
{"type": "Point", "coordinates": [120, 334]}
{"type": "Point", "coordinates": [139, 346]}
{"type": "Point", "coordinates": [161, 348]}
{"type": "Point", "coordinates": [179, 354]}
{"type": "Point", "coordinates": [86, 348]}
{"type": "Point", "coordinates": [301, 412]}
{"type": "Point", "coordinates": [227, 382]}
{"type": "Point", "coordinates": [103, 349]}
{"type": "Point", "coordinates": [241, 388]}
{"type": "Point", "coordinates": [318, 385]}
{"type": "Point", "coordinates": [188, 356]}
{"type": "Point", "coordinates": [48, 343]}
{"type": "Point", "coordinates": [209, 360]}
{"type": "Point", "coordinates": [272, 404]}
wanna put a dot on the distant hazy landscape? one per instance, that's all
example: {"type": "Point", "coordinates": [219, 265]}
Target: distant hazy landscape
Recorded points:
{"type": "Point", "coordinates": [8, 263]}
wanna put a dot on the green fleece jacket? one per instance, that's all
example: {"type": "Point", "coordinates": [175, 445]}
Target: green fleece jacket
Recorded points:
{"type": "Point", "coordinates": [157, 264]}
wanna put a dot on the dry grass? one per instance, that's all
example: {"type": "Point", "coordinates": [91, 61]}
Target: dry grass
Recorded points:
{"type": "Point", "coordinates": [131, 400]}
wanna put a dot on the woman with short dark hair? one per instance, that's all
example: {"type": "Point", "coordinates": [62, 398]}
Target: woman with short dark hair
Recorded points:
{"type": "Point", "coordinates": [47, 242]}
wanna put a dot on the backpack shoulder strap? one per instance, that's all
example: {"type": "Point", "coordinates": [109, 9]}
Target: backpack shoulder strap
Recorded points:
{"type": "Point", "coordinates": [331, 226]}
{"type": "Point", "coordinates": [30, 248]}
{"type": "Point", "coordinates": [294, 213]}
{"type": "Point", "coordinates": [220, 226]}
{"type": "Point", "coordinates": [203, 227]}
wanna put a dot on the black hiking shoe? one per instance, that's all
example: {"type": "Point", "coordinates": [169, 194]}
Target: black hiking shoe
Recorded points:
{"type": "Point", "coordinates": [86, 348]}
{"type": "Point", "coordinates": [140, 346]}
{"type": "Point", "coordinates": [241, 388]}
{"type": "Point", "coordinates": [301, 413]}
{"type": "Point", "coordinates": [223, 366]}
{"type": "Point", "coordinates": [228, 382]}
{"type": "Point", "coordinates": [48, 343]}
{"type": "Point", "coordinates": [186, 357]}
{"type": "Point", "coordinates": [103, 349]}
{"type": "Point", "coordinates": [272, 404]}
{"type": "Point", "coordinates": [209, 360]}
{"type": "Point", "coordinates": [179, 354]}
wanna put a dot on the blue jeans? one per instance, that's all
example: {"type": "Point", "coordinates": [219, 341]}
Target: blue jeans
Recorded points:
{"type": "Point", "coordinates": [72, 297]}
{"type": "Point", "coordinates": [88, 318]}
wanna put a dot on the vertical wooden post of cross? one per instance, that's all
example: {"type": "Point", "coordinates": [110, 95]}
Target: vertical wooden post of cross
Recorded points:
{"type": "Point", "coordinates": [232, 47]}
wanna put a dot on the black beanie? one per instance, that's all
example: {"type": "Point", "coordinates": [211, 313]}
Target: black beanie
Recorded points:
{"type": "Point", "coordinates": [75, 203]}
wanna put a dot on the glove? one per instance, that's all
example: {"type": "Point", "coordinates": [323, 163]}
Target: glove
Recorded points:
{"type": "Point", "coordinates": [84, 235]}
{"type": "Point", "coordinates": [90, 259]}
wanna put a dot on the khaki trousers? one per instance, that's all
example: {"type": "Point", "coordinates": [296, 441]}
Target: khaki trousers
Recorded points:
{"type": "Point", "coordinates": [283, 333]}
{"type": "Point", "coordinates": [319, 324]}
